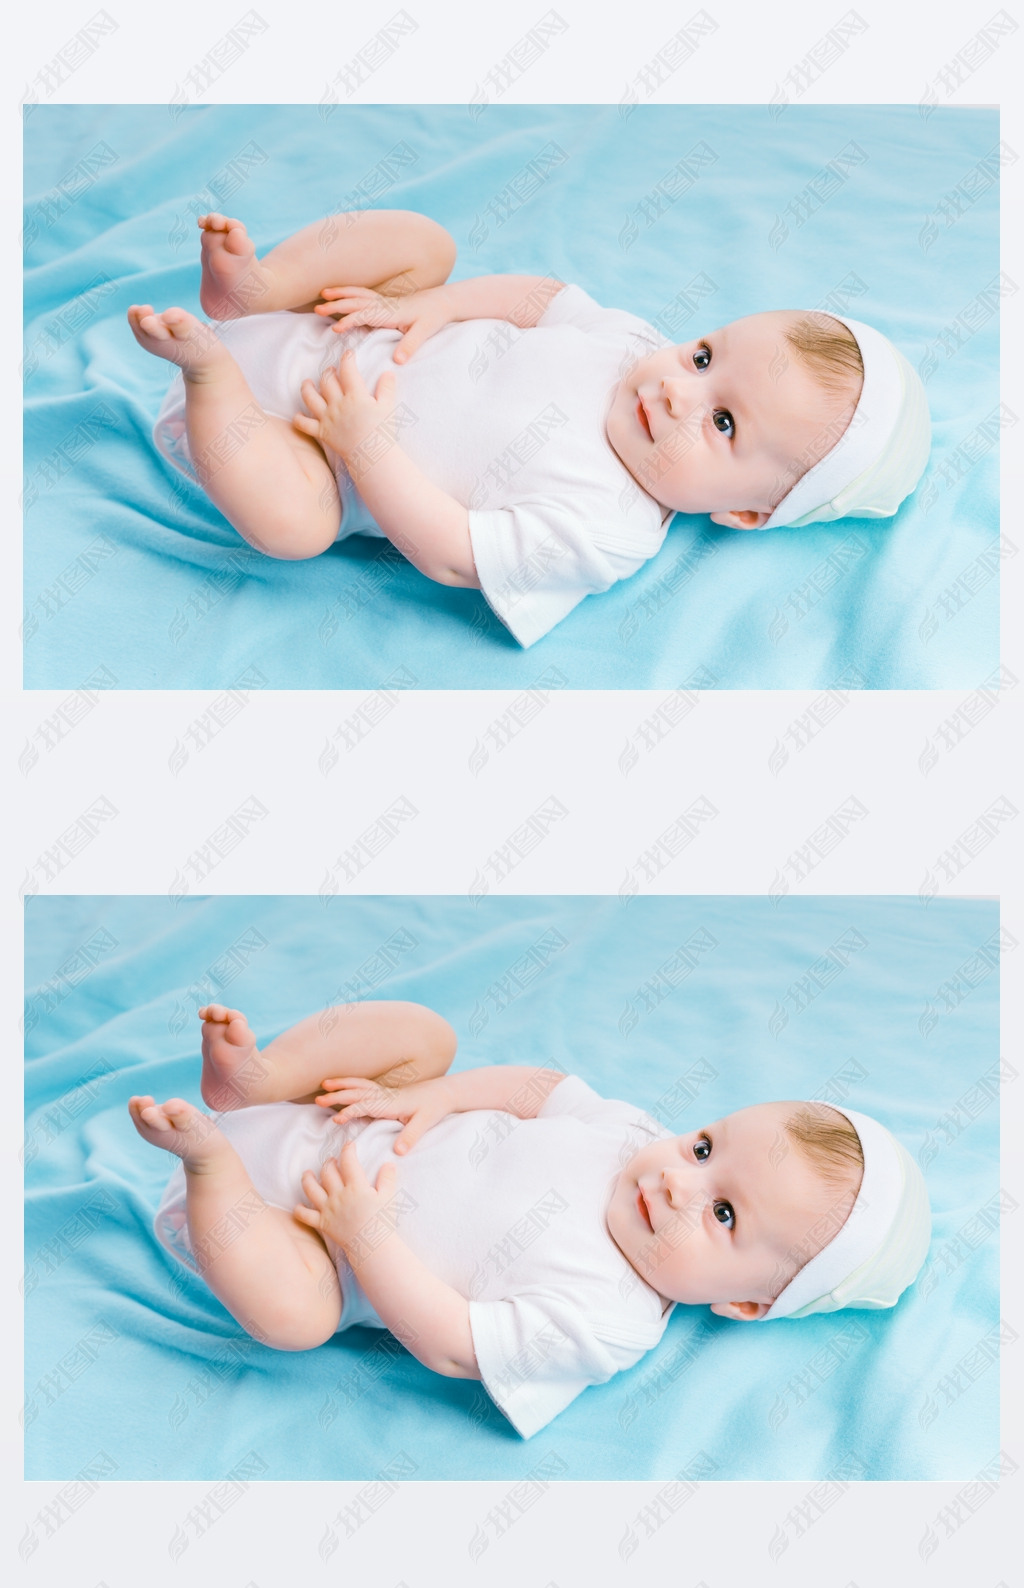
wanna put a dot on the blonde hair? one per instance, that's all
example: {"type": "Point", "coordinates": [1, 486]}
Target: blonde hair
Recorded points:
{"type": "Point", "coordinates": [829, 350]}
{"type": "Point", "coordinates": [828, 1141]}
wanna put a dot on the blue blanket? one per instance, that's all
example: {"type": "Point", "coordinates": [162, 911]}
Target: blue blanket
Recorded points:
{"type": "Point", "coordinates": [689, 216]}
{"type": "Point", "coordinates": [688, 1007]}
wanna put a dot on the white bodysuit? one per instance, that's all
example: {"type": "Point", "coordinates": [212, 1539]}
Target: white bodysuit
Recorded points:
{"type": "Point", "coordinates": [509, 422]}
{"type": "Point", "coordinates": [509, 1212]}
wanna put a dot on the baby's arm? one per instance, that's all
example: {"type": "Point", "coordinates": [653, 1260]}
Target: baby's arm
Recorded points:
{"type": "Point", "coordinates": [516, 1088]}
{"type": "Point", "coordinates": [521, 299]}
{"type": "Point", "coordinates": [426, 1314]}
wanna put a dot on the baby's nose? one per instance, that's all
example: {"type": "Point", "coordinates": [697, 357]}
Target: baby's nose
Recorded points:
{"type": "Point", "coordinates": [680, 398]}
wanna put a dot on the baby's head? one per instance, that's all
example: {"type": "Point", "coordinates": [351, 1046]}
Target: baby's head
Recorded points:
{"type": "Point", "coordinates": [775, 1211]}
{"type": "Point", "coordinates": [779, 418]}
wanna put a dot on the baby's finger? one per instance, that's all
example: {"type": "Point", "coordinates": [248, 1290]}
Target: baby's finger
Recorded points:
{"type": "Point", "coordinates": [309, 427]}
{"type": "Point", "coordinates": [386, 1179]}
{"type": "Point", "coordinates": [312, 398]}
{"type": "Point", "coordinates": [349, 1167]}
{"type": "Point", "coordinates": [308, 1216]}
{"type": "Point", "coordinates": [330, 1179]}
{"type": "Point", "coordinates": [313, 1190]}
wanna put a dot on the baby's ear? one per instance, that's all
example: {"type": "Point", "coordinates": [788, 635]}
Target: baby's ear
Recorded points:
{"type": "Point", "coordinates": [741, 518]}
{"type": "Point", "coordinates": [741, 1311]}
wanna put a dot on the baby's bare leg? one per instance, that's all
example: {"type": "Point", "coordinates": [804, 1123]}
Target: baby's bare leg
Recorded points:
{"type": "Point", "coordinates": [272, 483]}
{"type": "Point", "coordinates": [271, 1272]}
{"type": "Point", "coordinates": [395, 251]}
{"type": "Point", "coordinates": [391, 1042]}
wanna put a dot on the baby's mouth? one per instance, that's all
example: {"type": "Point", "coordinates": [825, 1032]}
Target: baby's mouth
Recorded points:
{"type": "Point", "coordinates": [644, 1211]}
{"type": "Point", "coordinates": [641, 413]}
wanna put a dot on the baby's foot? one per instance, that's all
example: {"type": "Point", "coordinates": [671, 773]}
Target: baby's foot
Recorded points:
{"type": "Point", "coordinates": [179, 1128]}
{"type": "Point", "coordinates": [233, 281]}
{"type": "Point", "coordinates": [182, 339]}
{"type": "Point", "coordinates": [232, 1066]}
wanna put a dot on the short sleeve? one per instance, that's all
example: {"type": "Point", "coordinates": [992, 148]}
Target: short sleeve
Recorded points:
{"type": "Point", "coordinates": [573, 306]}
{"type": "Point", "coordinates": [573, 1098]}
{"type": "Point", "coordinates": [536, 1353]}
{"type": "Point", "coordinates": [537, 560]}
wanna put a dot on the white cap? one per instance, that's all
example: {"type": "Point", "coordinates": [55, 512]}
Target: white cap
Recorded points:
{"type": "Point", "coordinates": [882, 453]}
{"type": "Point", "coordinates": [882, 1245]}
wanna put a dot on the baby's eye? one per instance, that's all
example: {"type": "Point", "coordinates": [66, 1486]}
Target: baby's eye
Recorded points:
{"type": "Point", "coordinates": [722, 420]}
{"type": "Point", "coordinates": [702, 1148]}
{"type": "Point", "coordinates": [724, 1214]}
{"type": "Point", "coordinates": [701, 356]}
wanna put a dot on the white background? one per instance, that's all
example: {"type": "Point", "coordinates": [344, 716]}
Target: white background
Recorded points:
{"type": "Point", "coordinates": [725, 750]}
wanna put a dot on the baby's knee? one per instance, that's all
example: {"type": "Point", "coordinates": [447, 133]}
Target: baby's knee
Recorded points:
{"type": "Point", "coordinates": [299, 1329]}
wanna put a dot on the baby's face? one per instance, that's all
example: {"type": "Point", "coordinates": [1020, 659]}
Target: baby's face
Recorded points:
{"type": "Point", "coordinates": [718, 1215]}
{"type": "Point", "coordinates": [725, 424]}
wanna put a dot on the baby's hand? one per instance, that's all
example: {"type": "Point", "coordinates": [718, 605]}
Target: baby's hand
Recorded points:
{"type": "Point", "coordinates": [420, 1105]}
{"type": "Point", "coordinates": [418, 314]}
{"type": "Point", "coordinates": [344, 413]}
{"type": "Point", "coordinates": [346, 1207]}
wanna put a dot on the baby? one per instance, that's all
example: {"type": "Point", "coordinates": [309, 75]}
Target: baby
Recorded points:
{"type": "Point", "coordinates": [508, 1224]}
{"type": "Point", "coordinates": [536, 445]}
